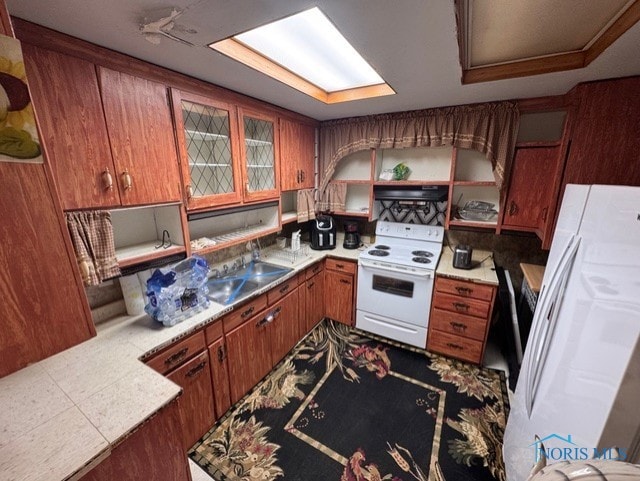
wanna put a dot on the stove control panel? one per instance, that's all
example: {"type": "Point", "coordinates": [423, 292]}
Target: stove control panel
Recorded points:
{"type": "Point", "coordinates": [434, 233]}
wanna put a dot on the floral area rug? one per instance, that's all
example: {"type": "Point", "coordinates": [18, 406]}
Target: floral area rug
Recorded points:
{"type": "Point", "coordinates": [348, 406]}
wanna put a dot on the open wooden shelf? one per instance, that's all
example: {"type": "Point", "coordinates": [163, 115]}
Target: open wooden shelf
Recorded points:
{"type": "Point", "coordinates": [288, 217]}
{"type": "Point", "coordinates": [136, 254]}
{"type": "Point", "coordinates": [411, 182]}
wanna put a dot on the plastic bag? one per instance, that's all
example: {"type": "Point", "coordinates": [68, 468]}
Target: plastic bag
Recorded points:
{"type": "Point", "coordinates": [178, 292]}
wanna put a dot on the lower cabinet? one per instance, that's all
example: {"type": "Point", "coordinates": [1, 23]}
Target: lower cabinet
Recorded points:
{"type": "Point", "coordinates": [311, 298]}
{"type": "Point", "coordinates": [339, 277]}
{"type": "Point", "coordinates": [187, 364]}
{"type": "Point", "coordinates": [256, 345]}
{"type": "Point", "coordinates": [196, 402]}
{"type": "Point", "coordinates": [459, 321]}
{"type": "Point", "coordinates": [153, 451]}
{"type": "Point", "coordinates": [219, 373]}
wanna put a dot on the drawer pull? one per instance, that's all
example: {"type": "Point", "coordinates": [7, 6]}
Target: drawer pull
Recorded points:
{"type": "Point", "coordinates": [344, 281]}
{"type": "Point", "coordinates": [311, 285]}
{"type": "Point", "coordinates": [196, 369]}
{"type": "Point", "coordinates": [464, 290]}
{"type": "Point", "coordinates": [340, 266]}
{"type": "Point", "coordinates": [127, 182]}
{"type": "Point", "coordinates": [221, 353]}
{"type": "Point", "coordinates": [284, 289]}
{"type": "Point", "coordinates": [269, 318]}
{"type": "Point", "coordinates": [178, 356]}
{"type": "Point", "coordinates": [458, 326]}
{"type": "Point", "coordinates": [107, 179]}
{"type": "Point", "coordinates": [247, 312]}
{"type": "Point", "coordinates": [455, 346]}
{"type": "Point", "coordinates": [461, 306]}
{"type": "Point", "coordinates": [315, 269]}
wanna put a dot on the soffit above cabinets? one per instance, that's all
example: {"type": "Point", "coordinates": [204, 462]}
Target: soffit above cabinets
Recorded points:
{"type": "Point", "coordinates": [501, 39]}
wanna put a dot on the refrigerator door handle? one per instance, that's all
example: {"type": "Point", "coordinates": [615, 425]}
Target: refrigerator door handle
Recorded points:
{"type": "Point", "coordinates": [544, 325]}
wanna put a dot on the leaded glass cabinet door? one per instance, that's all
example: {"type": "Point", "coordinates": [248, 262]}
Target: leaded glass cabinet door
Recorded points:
{"type": "Point", "coordinates": [259, 138]}
{"type": "Point", "coordinates": [207, 138]}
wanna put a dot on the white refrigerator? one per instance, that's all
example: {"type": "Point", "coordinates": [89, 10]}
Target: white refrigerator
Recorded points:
{"type": "Point", "coordinates": [579, 384]}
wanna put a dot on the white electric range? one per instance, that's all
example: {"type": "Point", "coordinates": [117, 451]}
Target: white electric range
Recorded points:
{"type": "Point", "coordinates": [395, 281]}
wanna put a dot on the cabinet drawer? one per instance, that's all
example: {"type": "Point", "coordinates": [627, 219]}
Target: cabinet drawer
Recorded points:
{"type": "Point", "coordinates": [278, 292]}
{"type": "Point", "coordinates": [458, 324]}
{"type": "Point", "coordinates": [313, 270]}
{"type": "Point", "coordinates": [178, 353]}
{"type": "Point", "coordinates": [342, 266]}
{"type": "Point", "coordinates": [454, 346]}
{"type": "Point", "coordinates": [468, 306]}
{"type": "Point", "coordinates": [464, 289]}
{"type": "Point", "coordinates": [244, 312]}
{"type": "Point", "coordinates": [213, 332]}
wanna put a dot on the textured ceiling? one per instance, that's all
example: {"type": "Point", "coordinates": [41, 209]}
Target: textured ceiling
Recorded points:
{"type": "Point", "coordinates": [411, 43]}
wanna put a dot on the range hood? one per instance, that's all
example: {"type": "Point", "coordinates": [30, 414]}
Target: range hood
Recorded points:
{"type": "Point", "coordinates": [426, 193]}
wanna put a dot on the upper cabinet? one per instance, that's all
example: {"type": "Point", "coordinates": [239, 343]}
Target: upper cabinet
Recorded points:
{"type": "Point", "coordinates": [207, 133]}
{"type": "Point", "coordinates": [73, 127]}
{"type": "Point", "coordinates": [297, 155]}
{"type": "Point", "coordinates": [106, 135]}
{"type": "Point", "coordinates": [141, 134]}
{"type": "Point", "coordinates": [259, 147]}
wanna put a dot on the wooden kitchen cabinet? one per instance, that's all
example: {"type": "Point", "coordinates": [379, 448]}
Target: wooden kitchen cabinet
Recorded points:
{"type": "Point", "coordinates": [312, 298]}
{"type": "Point", "coordinates": [187, 363]}
{"type": "Point", "coordinates": [285, 331]}
{"type": "Point", "coordinates": [460, 317]}
{"type": "Point", "coordinates": [248, 354]}
{"type": "Point", "coordinates": [141, 136]}
{"type": "Point", "coordinates": [209, 150]}
{"type": "Point", "coordinates": [339, 290]}
{"type": "Point", "coordinates": [529, 197]}
{"type": "Point", "coordinates": [153, 451]}
{"type": "Point", "coordinates": [259, 154]}
{"type": "Point", "coordinates": [297, 154]}
{"type": "Point", "coordinates": [196, 403]}
{"type": "Point", "coordinates": [217, 346]}
{"type": "Point", "coordinates": [65, 92]}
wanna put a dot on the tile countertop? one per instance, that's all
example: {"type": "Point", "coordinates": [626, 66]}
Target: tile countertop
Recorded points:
{"type": "Point", "coordinates": [68, 411]}
{"type": "Point", "coordinates": [483, 269]}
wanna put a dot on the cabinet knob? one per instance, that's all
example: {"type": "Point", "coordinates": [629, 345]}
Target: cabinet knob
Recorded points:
{"type": "Point", "coordinates": [461, 306]}
{"type": "Point", "coordinates": [189, 191]}
{"type": "Point", "coordinates": [455, 346]}
{"type": "Point", "coordinates": [344, 281]}
{"type": "Point", "coordinates": [127, 182]}
{"type": "Point", "coordinates": [545, 212]}
{"type": "Point", "coordinates": [107, 179]}
{"type": "Point", "coordinates": [197, 369]}
{"type": "Point", "coordinates": [298, 177]}
{"type": "Point", "coordinates": [221, 353]}
{"type": "Point", "coordinates": [513, 208]}
{"type": "Point", "coordinates": [302, 176]}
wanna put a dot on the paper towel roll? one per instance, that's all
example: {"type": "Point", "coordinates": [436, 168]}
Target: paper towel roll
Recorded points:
{"type": "Point", "coordinates": [132, 293]}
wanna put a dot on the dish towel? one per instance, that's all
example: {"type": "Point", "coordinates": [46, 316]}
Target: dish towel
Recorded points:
{"type": "Point", "coordinates": [334, 198]}
{"type": "Point", "coordinates": [306, 205]}
{"type": "Point", "coordinates": [92, 238]}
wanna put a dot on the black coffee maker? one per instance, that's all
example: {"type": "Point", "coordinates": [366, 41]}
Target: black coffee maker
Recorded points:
{"type": "Point", "coordinates": [351, 236]}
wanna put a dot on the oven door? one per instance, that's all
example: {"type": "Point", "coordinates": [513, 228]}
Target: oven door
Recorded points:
{"type": "Point", "coordinates": [397, 295]}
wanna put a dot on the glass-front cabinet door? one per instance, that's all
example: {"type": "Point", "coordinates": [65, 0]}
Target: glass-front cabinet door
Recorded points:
{"type": "Point", "coordinates": [259, 139]}
{"type": "Point", "coordinates": [207, 139]}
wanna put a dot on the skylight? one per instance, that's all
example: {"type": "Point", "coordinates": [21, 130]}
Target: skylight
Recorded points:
{"type": "Point", "coordinates": [308, 53]}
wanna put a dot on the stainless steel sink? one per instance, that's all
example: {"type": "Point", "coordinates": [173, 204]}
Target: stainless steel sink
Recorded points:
{"type": "Point", "coordinates": [263, 272]}
{"type": "Point", "coordinates": [228, 290]}
{"type": "Point", "coordinates": [242, 283]}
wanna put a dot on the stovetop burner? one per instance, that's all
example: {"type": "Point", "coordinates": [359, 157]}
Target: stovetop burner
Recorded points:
{"type": "Point", "coordinates": [382, 247]}
{"type": "Point", "coordinates": [378, 252]}
{"type": "Point", "coordinates": [422, 260]}
{"type": "Point", "coordinates": [422, 253]}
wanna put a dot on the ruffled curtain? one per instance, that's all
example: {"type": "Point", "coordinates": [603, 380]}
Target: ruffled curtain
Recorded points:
{"type": "Point", "coordinates": [92, 238]}
{"type": "Point", "coordinates": [490, 128]}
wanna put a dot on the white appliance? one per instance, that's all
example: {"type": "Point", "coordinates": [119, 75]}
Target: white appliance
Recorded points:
{"type": "Point", "coordinates": [395, 281]}
{"type": "Point", "coordinates": [579, 385]}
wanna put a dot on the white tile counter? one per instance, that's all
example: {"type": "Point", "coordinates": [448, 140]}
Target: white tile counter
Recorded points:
{"type": "Point", "coordinates": [483, 269]}
{"type": "Point", "coordinates": [63, 415]}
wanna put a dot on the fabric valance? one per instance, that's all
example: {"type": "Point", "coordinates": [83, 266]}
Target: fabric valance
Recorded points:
{"type": "Point", "coordinates": [490, 128]}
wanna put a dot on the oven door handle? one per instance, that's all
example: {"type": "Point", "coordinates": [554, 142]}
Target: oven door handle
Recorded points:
{"type": "Point", "coordinates": [367, 265]}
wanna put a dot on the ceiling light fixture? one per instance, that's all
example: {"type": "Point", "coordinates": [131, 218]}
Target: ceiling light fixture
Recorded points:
{"type": "Point", "coordinates": [307, 52]}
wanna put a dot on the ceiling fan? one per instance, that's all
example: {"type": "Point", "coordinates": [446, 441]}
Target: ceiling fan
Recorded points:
{"type": "Point", "coordinates": [154, 30]}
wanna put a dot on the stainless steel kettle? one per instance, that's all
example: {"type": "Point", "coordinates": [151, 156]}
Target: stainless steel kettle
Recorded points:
{"type": "Point", "coordinates": [462, 256]}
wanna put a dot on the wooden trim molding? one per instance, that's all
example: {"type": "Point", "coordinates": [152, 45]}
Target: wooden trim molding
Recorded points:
{"type": "Point", "coordinates": [540, 65]}
{"type": "Point", "coordinates": [249, 57]}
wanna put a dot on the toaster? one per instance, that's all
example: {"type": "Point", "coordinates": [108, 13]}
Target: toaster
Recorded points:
{"type": "Point", "coordinates": [323, 233]}
{"type": "Point", "coordinates": [462, 256]}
